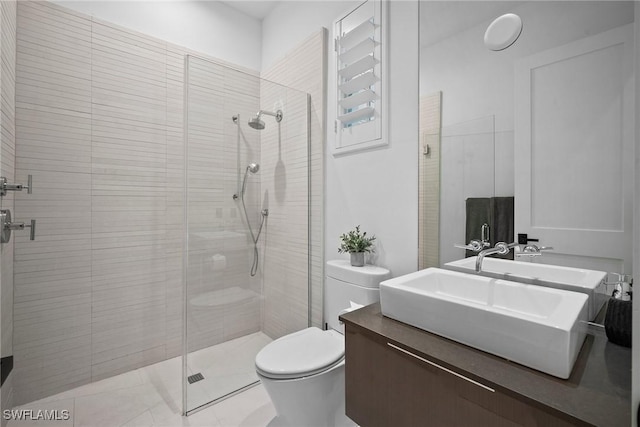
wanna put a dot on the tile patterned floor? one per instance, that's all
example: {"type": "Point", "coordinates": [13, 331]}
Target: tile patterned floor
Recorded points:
{"type": "Point", "coordinates": [151, 396]}
{"type": "Point", "coordinates": [225, 367]}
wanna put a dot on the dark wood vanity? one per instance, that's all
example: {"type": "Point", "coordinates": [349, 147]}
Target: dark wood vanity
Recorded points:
{"type": "Point", "coordinates": [398, 375]}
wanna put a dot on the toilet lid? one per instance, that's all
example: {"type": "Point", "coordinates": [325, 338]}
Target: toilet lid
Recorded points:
{"type": "Point", "coordinates": [301, 354]}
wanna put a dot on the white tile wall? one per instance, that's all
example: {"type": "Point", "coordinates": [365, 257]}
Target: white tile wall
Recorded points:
{"type": "Point", "coordinates": [217, 158]}
{"type": "Point", "coordinates": [7, 169]}
{"type": "Point", "coordinates": [53, 273]}
{"type": "Point", "coordinates": [128, 161]}
{"type": "Point", "coordinates": [174, 184]}
{"type": "Point", "coordinates": [304, 69]}
{"type": "Point", "coordinates": [99, 126]}
{"type": "Point", "coordinates": [429, 182]}
{"type": "Point", "coordinates": [285, 179]}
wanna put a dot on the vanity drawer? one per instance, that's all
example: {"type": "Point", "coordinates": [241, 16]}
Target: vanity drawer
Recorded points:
{"type": "Point", "coordinates": [390, 385]}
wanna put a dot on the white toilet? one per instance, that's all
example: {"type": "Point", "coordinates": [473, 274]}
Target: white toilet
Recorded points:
{"type": "Point", "coordinates": [303, 372]}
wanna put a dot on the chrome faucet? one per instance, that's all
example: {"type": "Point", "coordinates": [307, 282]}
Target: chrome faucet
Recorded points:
{"type": "Point", "coordinates": [501, 248]}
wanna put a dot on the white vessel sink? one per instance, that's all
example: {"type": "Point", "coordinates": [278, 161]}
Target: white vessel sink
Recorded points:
{"type": "Point", "coordinates": [589, 282]}
{"type": "Point", "coordinates": [539, 327]}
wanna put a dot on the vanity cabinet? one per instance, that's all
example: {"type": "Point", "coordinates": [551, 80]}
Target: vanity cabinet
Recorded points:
{"type": "Point", "coordinates": [388, 384]}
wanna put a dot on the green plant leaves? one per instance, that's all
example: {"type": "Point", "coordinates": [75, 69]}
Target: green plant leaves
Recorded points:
{"type": "Point", "coordinates": [355, 241]}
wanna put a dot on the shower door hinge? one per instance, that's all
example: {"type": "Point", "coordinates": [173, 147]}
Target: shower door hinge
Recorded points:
{"type": "Point", "coordinates": [335, 44]}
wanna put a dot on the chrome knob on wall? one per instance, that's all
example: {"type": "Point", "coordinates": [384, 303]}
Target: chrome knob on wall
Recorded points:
{"type": "Point", "coordinates": [4, 186]}
{"type": "Point", "coordinates": [8, 226]}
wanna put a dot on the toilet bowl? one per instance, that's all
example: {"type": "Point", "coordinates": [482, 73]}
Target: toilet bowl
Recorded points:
{"type": "Point", "coordinates": [303, 372]}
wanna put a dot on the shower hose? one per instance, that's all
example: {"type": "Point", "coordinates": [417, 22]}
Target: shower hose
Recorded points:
{"type": "Point", "coordinates": [254, 237]}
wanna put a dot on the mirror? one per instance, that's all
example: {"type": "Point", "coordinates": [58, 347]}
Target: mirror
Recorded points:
{"type": "Point", "coordinates": [548, 121]}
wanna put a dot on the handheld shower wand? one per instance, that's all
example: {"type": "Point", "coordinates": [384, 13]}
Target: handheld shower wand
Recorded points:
{"type": "Point", "coordinates": [253, 168]}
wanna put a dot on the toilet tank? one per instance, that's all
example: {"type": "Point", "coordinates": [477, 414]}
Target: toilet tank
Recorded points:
{"type": "Point", "coordinates": [345, 283]}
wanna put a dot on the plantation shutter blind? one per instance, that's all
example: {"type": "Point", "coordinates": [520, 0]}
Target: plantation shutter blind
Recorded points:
{"type": "Point", "coordinates": [360, 78]}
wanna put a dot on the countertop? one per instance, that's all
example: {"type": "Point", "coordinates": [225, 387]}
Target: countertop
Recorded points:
{"type": "Point", "coordinates": [598, 392]}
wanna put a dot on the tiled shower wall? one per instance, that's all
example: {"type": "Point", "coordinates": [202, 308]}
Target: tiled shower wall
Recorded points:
{"type": "Point", "coordinates": [7, 169]}
{"type": "Point", "coordinates": [429, 181]}
{"type": "Point", "coordinates": [286, 163]}
{"type": "Point", "coordinates": [284, 157]}
{"type": "Point", "coordinates": [304, 68]}
{"type": "Point", "coordinates": [224, 301]}
{"type": "Point", "coordinates": [99, 126]}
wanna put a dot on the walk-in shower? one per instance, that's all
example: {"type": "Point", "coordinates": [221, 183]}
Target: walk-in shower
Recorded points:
{"type": "Point", "coordinates": [151, 273]}
{"type": "Point", "coordinates": [246, 225]}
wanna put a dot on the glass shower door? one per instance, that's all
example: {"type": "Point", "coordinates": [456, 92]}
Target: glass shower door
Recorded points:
{"type": "Point", "coordinates": [242, 180]}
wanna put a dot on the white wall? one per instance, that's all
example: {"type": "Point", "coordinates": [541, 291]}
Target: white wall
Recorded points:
{"type": "Point", "coordinates": [490, 90]}
{"type": "Point", "coordinates": [209, 27]}
{"type": "Point", "coordinates": [293, 21]}
{"type": "Point", "coordinates": [378, 189]}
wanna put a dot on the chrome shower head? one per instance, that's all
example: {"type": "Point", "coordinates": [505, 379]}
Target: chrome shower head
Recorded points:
{"type": "Point", "coordinates": [253, 167]}
{"type": "Point", "coordinates": [258, 124]}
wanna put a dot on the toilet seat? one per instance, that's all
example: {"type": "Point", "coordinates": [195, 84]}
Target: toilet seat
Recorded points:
{"type": "Point", "coordinates": [301, 354]}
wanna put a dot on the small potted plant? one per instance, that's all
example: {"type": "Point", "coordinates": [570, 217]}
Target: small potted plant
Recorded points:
{"type": "Point", "coordinates": [356, 244]}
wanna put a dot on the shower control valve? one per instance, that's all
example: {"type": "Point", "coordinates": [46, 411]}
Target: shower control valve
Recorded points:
{"type": "Point", "coordinates": [4, 186]}
{"type": "Point", "coordinates": [8, 226]}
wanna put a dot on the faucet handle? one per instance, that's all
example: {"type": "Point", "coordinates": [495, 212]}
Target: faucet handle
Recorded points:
{"type": "Point", "coordinates": [533, 250]}
{"type": "Point", "coordinates": [503, 248]}
{"type": "Point", "coordinates": [474, 245]}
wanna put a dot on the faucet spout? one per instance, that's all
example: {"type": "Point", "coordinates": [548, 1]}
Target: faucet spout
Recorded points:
{"type": "Point", "coordinates": [501, 248]}
{"type": "Point", "coordinates": [481, 256]}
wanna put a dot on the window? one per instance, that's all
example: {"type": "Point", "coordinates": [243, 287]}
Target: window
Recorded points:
{"type": "Point", "coordinates": [361, 78]}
